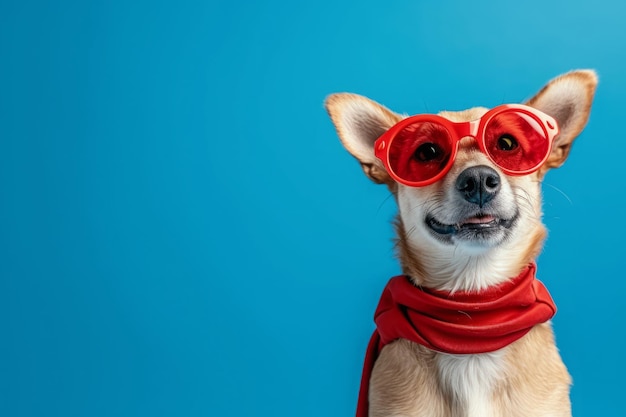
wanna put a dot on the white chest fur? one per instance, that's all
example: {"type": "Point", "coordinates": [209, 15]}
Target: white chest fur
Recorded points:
{"type": "Point", "coordinates": [470, 381]}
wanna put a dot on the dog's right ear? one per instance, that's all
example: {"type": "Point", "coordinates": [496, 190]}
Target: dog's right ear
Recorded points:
{"type": "Point", "coordinates": [359, 122]}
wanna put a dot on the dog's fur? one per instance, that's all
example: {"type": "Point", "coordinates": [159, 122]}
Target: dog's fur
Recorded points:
{"type": "Point", "coordinates": [526, 378]}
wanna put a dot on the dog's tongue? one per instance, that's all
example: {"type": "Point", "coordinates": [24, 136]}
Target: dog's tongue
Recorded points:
{"type": "Point", "coordinates": [479, 220]}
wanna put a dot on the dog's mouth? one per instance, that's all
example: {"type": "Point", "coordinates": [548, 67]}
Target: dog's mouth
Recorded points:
{"type": "Point", "coordinates": [480, 226]}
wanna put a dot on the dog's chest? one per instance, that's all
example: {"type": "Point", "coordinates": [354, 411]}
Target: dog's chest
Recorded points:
{"type": "Point", "coordinates": [469, 380]}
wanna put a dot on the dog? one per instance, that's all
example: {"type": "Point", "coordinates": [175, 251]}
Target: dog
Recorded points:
{"type": "Point", "coordinates": [468, 225]}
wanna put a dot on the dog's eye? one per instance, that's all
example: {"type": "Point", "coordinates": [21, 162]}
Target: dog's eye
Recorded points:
{"type": "Point", "coordinates": [507, 143]}
{"type": "Point", "coordinates": [427, 152]}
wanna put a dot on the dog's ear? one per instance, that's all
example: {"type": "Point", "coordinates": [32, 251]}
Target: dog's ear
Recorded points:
{"type": "Point", "coordinates": [568, 99]}
{"type": "Point", "coordinates": [359, 122]}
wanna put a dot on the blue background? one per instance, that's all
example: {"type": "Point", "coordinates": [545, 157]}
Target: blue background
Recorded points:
{"type": "Point", "coordinates": [181, 233]}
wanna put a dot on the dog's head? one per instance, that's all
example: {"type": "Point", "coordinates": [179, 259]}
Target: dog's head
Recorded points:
{"type": "Point", "coordinates": [476, 226]}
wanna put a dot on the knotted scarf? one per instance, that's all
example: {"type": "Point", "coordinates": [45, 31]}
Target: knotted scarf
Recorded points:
{"type": "Point", "coordinates": [459, 322]}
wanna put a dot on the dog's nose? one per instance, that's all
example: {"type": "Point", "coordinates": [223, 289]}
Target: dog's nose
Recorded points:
{"type": "Point", "coordinates": [478, 184]}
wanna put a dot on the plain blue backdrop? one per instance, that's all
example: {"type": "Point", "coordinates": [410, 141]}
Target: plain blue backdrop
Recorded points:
{"type": "Point", "coordinates": [181, 233]}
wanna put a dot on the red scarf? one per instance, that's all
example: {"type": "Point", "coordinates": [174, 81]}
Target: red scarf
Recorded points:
{"type": "Point", "coordinates": [460, 323]}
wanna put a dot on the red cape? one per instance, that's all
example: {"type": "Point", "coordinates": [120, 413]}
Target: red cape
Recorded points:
{"type": "Point", "coordinates": [459, 323]}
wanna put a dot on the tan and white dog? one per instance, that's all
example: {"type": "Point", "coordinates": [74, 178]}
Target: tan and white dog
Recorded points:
{"type": "Point", "coordinates": [525, 378]}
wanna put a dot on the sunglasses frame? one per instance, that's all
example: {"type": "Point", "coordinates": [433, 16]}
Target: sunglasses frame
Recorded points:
{"type": "Point", "coordinates": [461, 130]}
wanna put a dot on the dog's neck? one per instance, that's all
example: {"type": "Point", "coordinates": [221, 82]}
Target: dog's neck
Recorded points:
{"type": "Point", "coordinates": [464, 324]}
{"type": "Point", "coordinates": [457, 270]}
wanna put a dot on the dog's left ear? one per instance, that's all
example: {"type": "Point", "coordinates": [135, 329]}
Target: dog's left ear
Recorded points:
{"type": "Point", "coordinates": [568, 99]}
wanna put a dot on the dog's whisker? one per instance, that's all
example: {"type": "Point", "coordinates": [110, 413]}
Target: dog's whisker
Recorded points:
{"type": "Point", "coordinates": [383, 202]}
{"type": "Point", "coordinates": [411, 230]}
{"type": "Point", "coordinates": [526, 202]}
{"type": "Point", "coordinates": [561, 192]}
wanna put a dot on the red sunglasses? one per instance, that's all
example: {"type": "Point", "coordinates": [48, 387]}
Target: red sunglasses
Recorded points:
{"type": "Point", "coordinates": [420, 150]}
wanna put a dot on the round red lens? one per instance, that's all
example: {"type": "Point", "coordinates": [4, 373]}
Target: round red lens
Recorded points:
{"type": "Point", "coordinates": [516, 141]}
{"type": "Point", "coordinates": [420, 151]}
